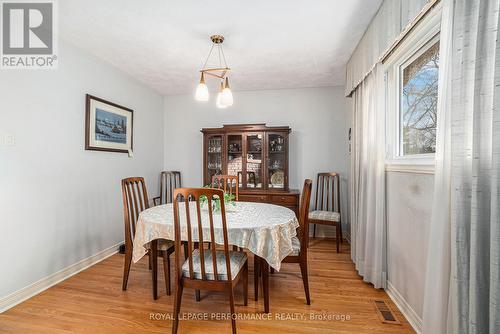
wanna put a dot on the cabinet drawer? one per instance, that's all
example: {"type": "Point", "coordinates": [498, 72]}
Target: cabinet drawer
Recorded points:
{"type": "Point", "coordinates": [254, 198]}
{"type": "Point", "coordinates": [284, 199]}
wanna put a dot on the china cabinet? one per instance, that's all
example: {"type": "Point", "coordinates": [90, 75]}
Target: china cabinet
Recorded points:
{"type": "Point", "coordinates": [257, 154]}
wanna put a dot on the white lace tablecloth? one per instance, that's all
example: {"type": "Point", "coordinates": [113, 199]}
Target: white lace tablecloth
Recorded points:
{"type": "Point", "coordinates": [264, 229]}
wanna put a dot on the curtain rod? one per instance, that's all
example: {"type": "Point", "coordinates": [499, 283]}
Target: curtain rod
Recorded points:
{"type": "Point", "coordinates": [409, 28]}
{"type": "Point", "coordinates": [402, 35]}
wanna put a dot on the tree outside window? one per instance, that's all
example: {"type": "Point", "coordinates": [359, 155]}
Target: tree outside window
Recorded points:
{"type": "Point", "coordinates": [418, 103]}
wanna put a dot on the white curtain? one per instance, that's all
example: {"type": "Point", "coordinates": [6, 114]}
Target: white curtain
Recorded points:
{"type": "Point", "coordinates": [462, 293]}
{"type": "Point", "coordinates": [368, 180]}
{"type": "Point", "coordinates": [437, 285]}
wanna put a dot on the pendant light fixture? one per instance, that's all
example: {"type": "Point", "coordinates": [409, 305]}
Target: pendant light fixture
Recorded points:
{"type": "Point", "coordinates": [224, 96]}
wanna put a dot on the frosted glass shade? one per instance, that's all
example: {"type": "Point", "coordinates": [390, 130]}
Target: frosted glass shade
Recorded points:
{"type": "Point", "coordinates": [202, 92]}
{"type": "Point", "coordinates": [219, 103]}
{"type": "Point", "coordinates": [227, 97]}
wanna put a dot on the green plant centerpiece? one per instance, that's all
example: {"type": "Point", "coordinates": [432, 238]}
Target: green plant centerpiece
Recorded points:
{"type": "Point", "coordinates": [228, 201]}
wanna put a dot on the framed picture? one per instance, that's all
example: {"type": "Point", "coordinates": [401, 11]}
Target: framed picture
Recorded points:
{"type": "Point", "coordinates": [108, 126]}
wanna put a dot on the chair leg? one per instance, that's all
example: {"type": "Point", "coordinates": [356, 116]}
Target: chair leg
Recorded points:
{"type": "Point", "coordinates": [314, 231]}
{"type": "Point", "coordinates": [150, 259]}
{"type": "Point", "coordinates": [166, 271]}
{"type": "Point", "coordinates": [305, 280]}
{"type": "Point", "coordinates": [126, 267]}
{"type": "Point", "coordinates": [231, 305]}
{"type": "Point", "coordinates": [256, 272]}
{"type": "Point", "coordinates": [154, 260]}
{"type": "Point", "coordinates": [177, 307]}
{"type": "Point", "coordinates": [245, 284]}
{"type": "Point", "coordinates": [197, 295]}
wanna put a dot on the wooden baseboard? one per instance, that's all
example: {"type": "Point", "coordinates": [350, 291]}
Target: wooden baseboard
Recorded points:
{"type": "Point", "coordinates": [405, 308]}
{"type": "Point", "coordinates": [31, 290]}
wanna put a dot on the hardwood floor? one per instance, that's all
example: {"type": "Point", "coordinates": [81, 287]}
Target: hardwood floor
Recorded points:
{"type": "Point", "coordinates": [93, 302]}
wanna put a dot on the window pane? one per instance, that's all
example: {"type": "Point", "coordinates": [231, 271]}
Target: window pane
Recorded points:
{"type": "Point", "coordinates": [235, 156]}
{"type": "Point", "coordinates": [254, 161]}
{"type": "Point", "coordinates": [419, 103]}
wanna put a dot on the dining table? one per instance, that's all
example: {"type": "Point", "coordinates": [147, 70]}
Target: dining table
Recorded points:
{"type": "Point", "coordinates": [266, 230]}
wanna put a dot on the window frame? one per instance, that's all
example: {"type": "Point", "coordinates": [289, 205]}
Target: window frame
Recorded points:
{"type": "Point", "coordinates": [419, 40]}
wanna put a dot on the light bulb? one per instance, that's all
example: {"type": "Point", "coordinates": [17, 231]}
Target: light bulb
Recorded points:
{"type": "Point", "coordinates": [219, 102]}
{"type": "Point", "coordinates": [202, 90]}
{"type": "Point", "coordinates": [227, 95]}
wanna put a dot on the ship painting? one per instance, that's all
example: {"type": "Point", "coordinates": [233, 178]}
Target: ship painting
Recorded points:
{"type": "Point", "coordinates": [110, 127]}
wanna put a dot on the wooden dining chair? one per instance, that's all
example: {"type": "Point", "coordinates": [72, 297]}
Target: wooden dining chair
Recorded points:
{"type": "Point", "coordinates": [228, 183]}
{"type": "Point", "coordinates": [168, 182]}
{"type": "Point", "coordinates": [205, 269]}
{"type": "Point", "coordinates": [327, 205]}
{"type": "Point", "coordinates": [300, 242]}
{"type": "Point", "coordinates": [135, 200]}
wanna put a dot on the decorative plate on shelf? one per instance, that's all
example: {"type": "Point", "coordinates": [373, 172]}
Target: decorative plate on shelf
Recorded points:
{"type": "Point", "coordinates": [278, 178]}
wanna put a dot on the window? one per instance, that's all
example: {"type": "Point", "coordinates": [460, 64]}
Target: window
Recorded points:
{"type": "Point", "coordinates": [412, 80]}
{"type": "Point", "coordinates": [418, 102]}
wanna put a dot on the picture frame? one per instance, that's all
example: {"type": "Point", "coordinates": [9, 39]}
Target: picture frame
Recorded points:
{"type": "Point", "coordinates": [108, 126]}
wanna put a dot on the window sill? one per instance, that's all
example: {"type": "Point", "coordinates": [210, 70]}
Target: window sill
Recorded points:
{"type": "Point", "coordinates": [427, 168]}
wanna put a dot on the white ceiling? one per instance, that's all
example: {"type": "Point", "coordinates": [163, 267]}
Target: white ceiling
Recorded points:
{"type": "Point", "coordinates": [269, 44]}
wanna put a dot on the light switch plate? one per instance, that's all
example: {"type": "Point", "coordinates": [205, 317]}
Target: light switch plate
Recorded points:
{"type": "Point", "coordinates": [7, 140]}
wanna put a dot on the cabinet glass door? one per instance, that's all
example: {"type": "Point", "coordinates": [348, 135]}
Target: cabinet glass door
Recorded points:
{"type": "Point", "coordinates": [214, 157]}
{"type": "Point", "coordinates": [235, 156]}
{"type": "Point", "coordinates": [254, 145]}
{"type": "Point", "coordinates": [277, 161]}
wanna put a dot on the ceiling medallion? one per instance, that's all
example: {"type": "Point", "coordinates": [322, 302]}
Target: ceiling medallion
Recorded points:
{"type": "Point", "coordinates": [224, 96]}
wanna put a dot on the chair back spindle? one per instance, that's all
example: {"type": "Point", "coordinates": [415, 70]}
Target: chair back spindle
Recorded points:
{"type": "Point", "coordinates": [135, 200]}
{"type": "Point", "coordinates": [169, 181]}
{"type": "Point", "coordinates": [190, 197]}
{"type": "Point", "coordinates": [327, 192]}
{"type": "Point", "coordinates": [228, 183]}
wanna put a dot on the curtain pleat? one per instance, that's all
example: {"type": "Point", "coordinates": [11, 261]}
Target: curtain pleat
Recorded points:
{"type": "Point", "coordinates": [471, 164]}
{"type": "Point", "coordinates": [368, 180]}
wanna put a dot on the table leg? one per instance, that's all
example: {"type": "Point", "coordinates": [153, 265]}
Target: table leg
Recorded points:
{"type": "Point", "coordinates": [265, 284]}
{"type": "Point", "coordinates": [256, 267]}
{"type": "Point", "coordinates": [154, 264]}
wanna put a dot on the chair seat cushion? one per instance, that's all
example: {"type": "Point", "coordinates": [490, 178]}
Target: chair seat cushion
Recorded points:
{"type": "Point", "coordinates": [295, 246]}
{"type": "Point", "coordinates": [325, 215]}
{"type": "Point", "coordinates": [237, 260]}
